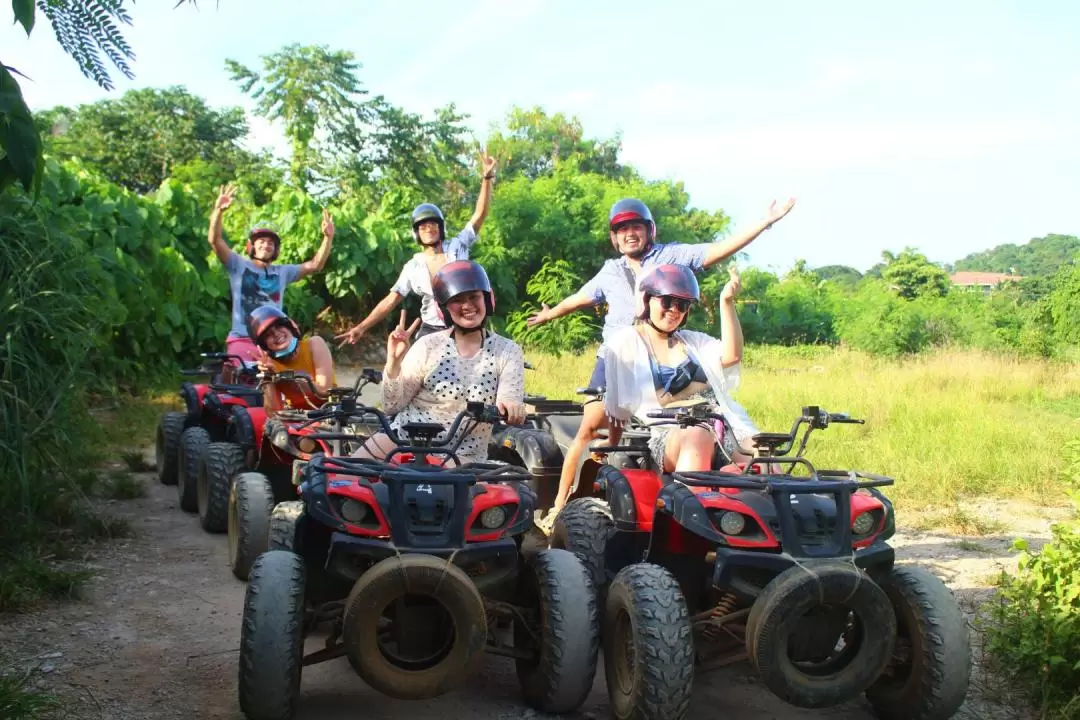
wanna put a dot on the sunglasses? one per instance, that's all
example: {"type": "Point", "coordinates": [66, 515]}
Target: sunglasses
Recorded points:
{"type": "Point", "coordinates": [680, 304]}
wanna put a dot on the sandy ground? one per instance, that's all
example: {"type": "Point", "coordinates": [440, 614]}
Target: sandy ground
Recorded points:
{"type": "Point", "coordinates": [157, 634]}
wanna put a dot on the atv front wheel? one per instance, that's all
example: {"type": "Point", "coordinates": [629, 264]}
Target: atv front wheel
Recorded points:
{"type": "Point", "coordinates": [167, 448]}
{"type": "Point", "coordinates": [251, 501]}
{"type": "Point", "coordinates": [583, 527]}
{"type": "Point", "coordinates": [283, 525]}
{"type": "Point", "coordinates": [220, 464]}
{"type": "Point", "coordinates": [648, 645]}
{"type": "Point", "coordinates": [559, 675]}
{"type": "Point", "coordinates": [193, 443]}
{"type": "Point", "coordinates": [820, 634]}
{"type": "Point", "coordinates": [271, 638]}
{"type": "Point", "coordinates": [928, 676]}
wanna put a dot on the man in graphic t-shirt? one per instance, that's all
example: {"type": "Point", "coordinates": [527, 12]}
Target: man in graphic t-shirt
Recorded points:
{"type": "Point", "coordinates": [429, 230]}
{"type": "Point", "coordinates": [255, 280]}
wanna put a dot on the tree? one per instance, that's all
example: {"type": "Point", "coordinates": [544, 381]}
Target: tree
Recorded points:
{"type": "Point", "coordinates": [140, 138]}
{"type": "Point", "coordinates": [532, 143]}
{"type": "Point", "coordinates": [842, 275]}
{"type": "Point", "coordinates": [912, 275]}
{"type": "Point", "coordinates": [312, 90]}
{"type": "Point", "coordinates": [1041, 256]}
{"type": "Point", "coordinates": [83, 28]}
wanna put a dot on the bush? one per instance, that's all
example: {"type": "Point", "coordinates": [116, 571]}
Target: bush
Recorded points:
{"type": "Point", "coordinates": [1034, 623]}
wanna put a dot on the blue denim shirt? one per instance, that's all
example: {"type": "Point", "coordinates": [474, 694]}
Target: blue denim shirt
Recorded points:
{"type": "Point", "coordinates": [610, 285]}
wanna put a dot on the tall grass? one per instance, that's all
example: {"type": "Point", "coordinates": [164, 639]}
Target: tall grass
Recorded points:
{"type": "Point", "coordinates": [49, 325]}
{"type": "Point", "coordinates": [948, 425]}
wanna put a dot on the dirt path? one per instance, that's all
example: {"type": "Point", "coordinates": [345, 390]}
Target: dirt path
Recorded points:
{"type": "Point", "coordinates": [157, 635]}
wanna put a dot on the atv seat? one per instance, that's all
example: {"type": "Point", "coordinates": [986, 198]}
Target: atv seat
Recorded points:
{"type": "Point", "coordinates": [771, 441]}
{"type": "Point", "coordinates": [237, 390]}
{"type": "Point", "coordinates": [564, 428]}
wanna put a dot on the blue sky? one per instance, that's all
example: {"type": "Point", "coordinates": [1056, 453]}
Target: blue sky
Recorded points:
{"type": "Point", "coordinates": [949, 126]}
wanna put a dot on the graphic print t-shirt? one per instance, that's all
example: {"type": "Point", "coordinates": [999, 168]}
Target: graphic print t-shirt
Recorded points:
{"type": "Point", "coordinates": [253, 286]}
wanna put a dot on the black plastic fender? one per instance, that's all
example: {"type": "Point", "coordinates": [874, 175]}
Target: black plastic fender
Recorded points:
{"type": "Point", "coordinates": [190, 396]}
{"type": "Point", "coordinates": [684, 508]}
{"type": "Point", "coordinates": [537, 452]}
{"type": "Point", "coordinates": [242, 429]}
{"type": "Point", "coordinates": [620, 497]}
{"type": "Point", "coordinates": [526, 509]}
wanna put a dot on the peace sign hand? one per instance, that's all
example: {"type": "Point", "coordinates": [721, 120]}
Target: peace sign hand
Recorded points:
{"type": "Point", "coordinates": [487, 162]}
{"type": "Point", "coordinates": [734, 285]}
{"type": "Point", "coordinates": [399, 342]}
{"type": "Point", "coordinates": [327, 225]}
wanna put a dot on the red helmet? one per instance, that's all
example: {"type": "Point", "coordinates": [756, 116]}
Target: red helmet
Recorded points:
{"type": "Point", "coordinates": [628, 210]}
{"type": "Point", "coordinates": [459, 277]}
{"type": "Point", "coordinates": [263, 230]}
{"type": "Point", "coordinates": [667, 281]}
{"type": "Point", "coordinates": [265, 317]}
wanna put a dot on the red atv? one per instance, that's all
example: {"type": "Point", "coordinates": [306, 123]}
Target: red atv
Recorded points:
{"type": "Point", "coordinates": [789, 570]}
{"type": "Point", "coordinates": [182, 437]}
{"type": "Point", "coordinates": [413, 565]}
{"type": "Point", "coordinates": [240, 480]}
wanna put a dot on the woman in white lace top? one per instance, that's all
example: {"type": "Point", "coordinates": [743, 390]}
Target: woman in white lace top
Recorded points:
{"type": "Point", "coordinates": [432, 380]}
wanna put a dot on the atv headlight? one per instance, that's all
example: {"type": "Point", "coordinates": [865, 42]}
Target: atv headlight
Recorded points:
{"type": "Point", "coordinates": [353, 510]}
{"type": "Point", "coordinates": [306, 445]}
{"type": "Point", "coordinates": [280, 439]}
{"type": "Point", "coordinates": [732, 523]}
{"type": "Point", "coordinates": [493, 518]}
{"type": "Point", "coordinates": [864, 523]}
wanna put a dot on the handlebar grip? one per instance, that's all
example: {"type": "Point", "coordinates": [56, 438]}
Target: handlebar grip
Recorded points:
{"type": "Point", "coordinates": [848, 420]}
{"type": "Point", "coordinates": [668, 413]}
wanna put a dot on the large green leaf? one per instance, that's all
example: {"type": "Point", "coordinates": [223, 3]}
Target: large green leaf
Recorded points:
{"type": "Point", "coordinates": [19, 139]}
{"type": "Point", "coordinates": [24, 13]}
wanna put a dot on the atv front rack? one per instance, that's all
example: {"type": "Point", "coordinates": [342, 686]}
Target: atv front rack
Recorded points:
{"type": "Point", "coordinates": [784, 490]}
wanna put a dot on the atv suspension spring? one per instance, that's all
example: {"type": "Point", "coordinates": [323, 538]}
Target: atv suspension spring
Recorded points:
{"type": "Point", "coordinates": [712, 623]}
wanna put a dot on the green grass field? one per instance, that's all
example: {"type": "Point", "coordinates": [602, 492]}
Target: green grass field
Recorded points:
{"type": "Point", "coordinates": [948, 426]}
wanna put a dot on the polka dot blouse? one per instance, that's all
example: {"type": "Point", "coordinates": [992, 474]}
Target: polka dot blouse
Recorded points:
{"type": "Point", "coordinates": [435, 382]}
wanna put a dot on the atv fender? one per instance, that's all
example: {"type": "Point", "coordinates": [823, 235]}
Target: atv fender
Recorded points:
{"type": "Point", "coordinates": [193, 395]}
{"type": "Point", "coordinates": [537, 452]}
{"type": "Point", "coordinates": [246, 427]}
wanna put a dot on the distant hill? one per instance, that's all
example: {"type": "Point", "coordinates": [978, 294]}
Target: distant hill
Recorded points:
{"type": "Point", "coordinates": [1040, 257]}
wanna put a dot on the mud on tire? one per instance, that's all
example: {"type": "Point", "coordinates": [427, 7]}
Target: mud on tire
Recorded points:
{"type": "Point", "coordinates": [583, 527]}
{"type": "Point", "coordinates": [458, 610]}
{"type": "Point", "coordinates": [648, 645]}
{"type": "Point", "coordinates": [560, 676]}
{"type": "Point", "coordinates": [250, 503]}
{"type": "Point", "coordinates": [219, 464]}
{"type": "Point", "coordinates": [931, 680]}
{"type": "Point", "coordinates": [193, 443]}
{"type": "Point", "coordinates": [167, 446]}
{"type": "Point", "coordinates": [271, 638]}
{"type": "Point", "coordinates": [778, 622]}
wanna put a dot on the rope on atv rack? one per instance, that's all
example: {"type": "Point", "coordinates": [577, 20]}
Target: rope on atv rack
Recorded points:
{"type": "Point", "coordinates": [446, 568]}
{"type": "Point", "coordinates": [817, 580]}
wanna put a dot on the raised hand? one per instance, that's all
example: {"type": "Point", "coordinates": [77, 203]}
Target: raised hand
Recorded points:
{"type": "Point", "coordinates": [400, 340]}
{"type": "Point", "coordinates": [327, 225]}
{"type": "Point", "coordinates": [226, 194]}
{"type": "Point", "coordinates": [733, 286]}
{"type": "Point", "coordinates": [776, 213]}
{"type": "Point", "coordinates": [487, 163]}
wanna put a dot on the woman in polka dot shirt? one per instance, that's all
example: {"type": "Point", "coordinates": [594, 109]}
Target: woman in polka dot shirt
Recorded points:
{"type": "Point", "coordinates": [432, 380]}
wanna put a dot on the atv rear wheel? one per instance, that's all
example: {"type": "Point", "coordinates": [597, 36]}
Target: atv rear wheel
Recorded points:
{"type": "Point", "coordinates": [437, 631]}
{"type": "Point", "coordinates": [583, 527]}
{"type": "Point", "coordinates": [560, 675]}
{"type": "Point", "coordinates": [797, 623]}
{"type": "Point", "coordinates": [271, 638]}
{"type": "Point", "coordinates": [220, 464]}
{"type": "Point", "coordinates": [193, 443]}
{"type": "Point", "coordinates": [167, 448]}
{"type": "Point", "coordinates": [648, 645]}
{"type": "Point", "coordinates": [928, 676]}
{"type": "Point", "coordinates": [251, 501]}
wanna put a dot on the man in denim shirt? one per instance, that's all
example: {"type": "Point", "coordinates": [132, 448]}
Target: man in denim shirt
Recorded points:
{"type": "Point", "coordinates": [633, 234]}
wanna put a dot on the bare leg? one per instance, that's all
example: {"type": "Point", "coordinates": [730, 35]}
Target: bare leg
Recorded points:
{"type": "Point", "coordinates": [689, 449]}
{"type": "Point", "coordinates": [593, 420]}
